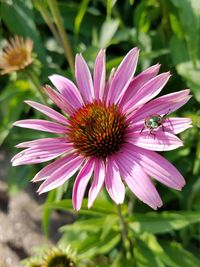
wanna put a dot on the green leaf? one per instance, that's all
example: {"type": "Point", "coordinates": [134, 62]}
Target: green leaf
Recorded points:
{"type": "Point", "coordinates": [153, 245]}
{"type": "Point", "coordinates": [108, 225]}
{"type": "Point", "coordinates": [164, 253]}
{"type": "Point", "coordinates": [10, 110]}
{"type": "Point", "coordinates": [179, 51]}
{"type": "Point", "coordinates": [179, 255]}
{"type": "Point", "coordinates": [92, 246]}
{"type": "Point", "coordinates": [89, 245]}
{"type": "Point", "coordinates": [176, 26]}
{"type": "Point", "coordinates": [100, 207]}
{"type": "Point", "coordinates": [145, 257]}
{"type": "Point", "coordinates": [192, 76]}
{"type": "Point", "coordinates": [145, 13]}
{"type": "Point", "coordinates": [110, 5]}
{"type": "Point", "coordinates": [79, 17]}
{"type": "Point", "coordinates": [188, 12]}
{"type": "Point", "coordinates": [108, 30]}
{"type": "Point", "coordinates": [69, 12]}
{"type": "Point", "coordinates": [159, 223]}
{"type": "Point", "coordinates": [85, 225]}
{"type": "Point", "coordinates": [120, 261]}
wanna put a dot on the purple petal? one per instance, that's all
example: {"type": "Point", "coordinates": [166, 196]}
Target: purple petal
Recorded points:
{"type": "Point", "coordinates": [138, 181]}
{"type": "Point", "coordinates": [138, 82]}
{"type": "Point", "coordinates": [48, 170]}
{"type": "Point", "coordinates": [81, 183]}
{"type": "Point", "coordinates": [84, 79]}
{"type": "Point", "coordinates": [123, 76]}
{"type": "Point", "coordinates": [158, 141]}
{"type": "Point", "coordinates": [61, 175]}
{"type": "Point", "coordinates": [113, 182]}
{"type": "Point", "coordinates": [177, 125]}
{"type": "Point", "coordinates": [108, 83]}
{"type": "Point", "coordinates": [38, 154]}
{"type": "Point", "coordinates": [147, 92]}
{"type": "Point", "coordinates": [99, 75]}
{"type": "Point", "coordinates": [97, 183]}
{"type": "Point", "coordinates": [42, 125]}
{"type": "Point", "coordinates": [162, 105]}
{"type": "Point", "coordinates": [156, 166]}
{"type": "Point", "coordinates": [68, 89]}
{"type": "Point", "coordinates": [49, 112]}
{"type": "Point", "coordinates": [58, 99]}
{"type": "Point", "coordinates": [43, 142]}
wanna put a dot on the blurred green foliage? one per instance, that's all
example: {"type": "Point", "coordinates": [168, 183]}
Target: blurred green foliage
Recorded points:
{"type": "Point", "coordinates": [166, 31]}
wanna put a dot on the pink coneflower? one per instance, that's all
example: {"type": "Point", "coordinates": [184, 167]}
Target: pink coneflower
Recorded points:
{"type": "Point", "coordinates": [110, 134]}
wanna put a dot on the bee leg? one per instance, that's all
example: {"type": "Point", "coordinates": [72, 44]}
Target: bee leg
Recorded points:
{"type": "Point", "coordinates": [151, 132]}
{"type": "Point", "coordinates": [166, 114]}
{"type": "Point", "coordinates": [170, 125]}
{"type": "Point", "coordinates": [142, 130]}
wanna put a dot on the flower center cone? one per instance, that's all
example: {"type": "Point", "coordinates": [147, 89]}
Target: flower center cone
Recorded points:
{"type": "Point", "coordinates": [98, 130]}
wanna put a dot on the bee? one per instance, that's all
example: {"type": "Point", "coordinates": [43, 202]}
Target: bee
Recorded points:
{"type": "Point", "coordinates": [153, 122]}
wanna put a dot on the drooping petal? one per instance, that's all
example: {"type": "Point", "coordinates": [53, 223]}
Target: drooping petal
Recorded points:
{"type": "Point", "coordinates": [138, 83]}
{"type": "Point", "coordinates": [113, 182]}
{"type": "Point", "coordinates": [177, 125]}
{"type": "Point", "coordinates": [147, 92]}
{"type": "Point", "coordinates": [162, 105]}
{"type": "Point", "coordinates": [81, 183]}
{"type": "Point", "coordinates": [123, 76]}
{"type": "Point", "coordinates": [58, 99]}
{"type": "Point", "coordinates": [99, 75]}
{"type": "Point", "coordinates": [84, 79]}
{"type": "Point", "coordinates": [61, 175]}
{"type": "Point", "coordinates": [44, 142]}
{"type": "Point", "coordinates": [97, 183]}
{"type": "Point", "coordinates": [158, 141]}
{"type": "Point", "coordinates": [38, 154]}
{"type": "Point", "coordinates": [156, 166]}
{"type": "Point", "coordinates": [42, 125]}
{"type": "Point", "coordinates": [49, 112]}
{"type": "Point", "coordinates": [138, 181]}
{"type": "Point", "coordinates": [48, 170]}
{"type": "Point", "coordinates": [68, 89]}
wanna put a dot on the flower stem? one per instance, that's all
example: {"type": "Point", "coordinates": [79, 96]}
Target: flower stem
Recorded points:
{"type": "Point", "coordinates": [40, 5]}
{"type": "Point", "coordinates": [33, 79]}
{"type": "Point", "coordinates": [127, 242]}
{"type": "Point", "coordinates": [53, 5]}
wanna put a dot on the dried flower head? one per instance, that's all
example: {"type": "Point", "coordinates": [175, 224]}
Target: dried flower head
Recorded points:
{"type": "Point", "coordinates": [111, 132]}
{"type": "Point", "coordinates": [16, 55]}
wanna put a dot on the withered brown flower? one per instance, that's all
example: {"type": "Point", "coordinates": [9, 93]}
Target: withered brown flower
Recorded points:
{"type": "Point", "coordinates": [16, 55]}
